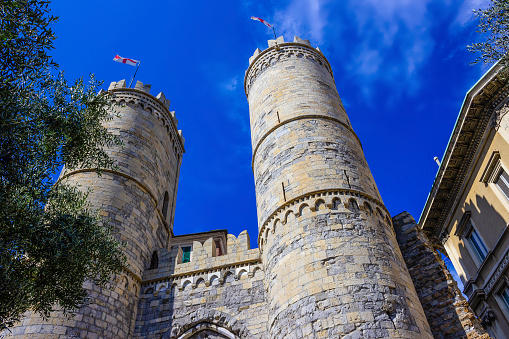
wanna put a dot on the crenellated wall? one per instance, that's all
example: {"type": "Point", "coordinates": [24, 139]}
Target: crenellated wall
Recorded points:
{"type": "Point", "coordinates": [225, 291]}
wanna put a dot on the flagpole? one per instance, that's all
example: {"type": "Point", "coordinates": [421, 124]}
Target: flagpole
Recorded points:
{"type": "Point", "coordinates": [132, 79]}
{"type": "Point", "coordinates": [274, 32]}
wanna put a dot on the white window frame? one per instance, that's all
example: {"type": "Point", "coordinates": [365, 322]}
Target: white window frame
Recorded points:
{"type": "Point", "coordinates": [466, 229]}
{"type": "Point", "coordinates": [505, 181]}
{"type": "Point", "coordinates": [491, 173]}
{"type": "Point", "coordinates": [477, 244]}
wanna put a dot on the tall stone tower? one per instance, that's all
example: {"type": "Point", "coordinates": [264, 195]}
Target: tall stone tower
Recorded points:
{"type": "Point", "coordinates": [332, 263]}
{"type": "Point", "coordinates": [139, 200]}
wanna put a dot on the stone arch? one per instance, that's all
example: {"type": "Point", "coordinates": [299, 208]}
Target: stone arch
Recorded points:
{"type": "Point", "coordinates": [194, 331]}
{"type": "Point", "coordinates": [149, 290]}
{"type": "Point", "coordinates": [214, 280]}
{"type": "Point", "coordinates": [277, 223]}
{"type": "Point", "coordinates": [125, 283]}
{"type": "Point", "coordinates": [387, 219]}
{"type": "Point", "coordinates": [353, 205]}
{"type": "Point", "coordinates": [202, 319]}
{"type": "Point", "coordinates": [304, 209]}
{"type": "Point", "coordinates": [267, 233]}
{"type": "Point", "coordinates": [228, 277]}
{"type": "Point", "coordinates": [160, 288]}
{"type": "Point", "coordinates": [288, 215]}
{"type": "Point", "coordinates": [242, 274]}
{"type": "Point", "coordinates": [186, 283]}
{"type": "Point", "coordinates": [336, 202]}
{"type": "Point", "coordinates": [367, 207]}
{"type": "Point", "coordinates": [320, 204]}
{"type": "Point", "coordinates": [380, 212]}
{"type": "Point", "coordinates": [200, 281]}
{"type": "Point", "coordinates": [256, 270]}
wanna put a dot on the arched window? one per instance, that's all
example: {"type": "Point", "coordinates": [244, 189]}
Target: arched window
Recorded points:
{"type": "Point", "coordinates": [165, 205]}
{"type": "Point", "coordinates": [154, 261]}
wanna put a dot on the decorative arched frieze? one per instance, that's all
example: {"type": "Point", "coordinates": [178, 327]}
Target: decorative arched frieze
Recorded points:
{"type": "Point", "coordinates": [326, 198]}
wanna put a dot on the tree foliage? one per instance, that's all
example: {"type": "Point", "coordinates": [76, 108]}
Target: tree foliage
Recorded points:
{"type": "Point", "coordinates": [51, 241]}
{"type": "Point", "coordinates": [494, 23]}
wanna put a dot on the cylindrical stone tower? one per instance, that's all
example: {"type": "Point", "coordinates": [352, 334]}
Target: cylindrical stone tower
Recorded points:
{"type": "Point", "coordinates": [138, 198]}
{"type": "Point", "coordinates": [333, 267]}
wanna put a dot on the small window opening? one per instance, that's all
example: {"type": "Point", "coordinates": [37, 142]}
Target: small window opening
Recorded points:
{"type": "Point", "coordinates": [335, 203]}
{"type": "Point", "coordinates": [186, 254]}
{"type": "Point", "coordinates": [219, 251]}
{"type": "Point", "coordinates": [353, 205]}
{"type": "Point", "coordinates": [165, 204]}
{"type": "Point", "coordinates": [154, 261]}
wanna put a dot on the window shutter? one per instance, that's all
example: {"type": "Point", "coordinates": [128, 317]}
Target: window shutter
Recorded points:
{"type": "Point", "coordinates": [503, 183]}
{"type": "Point", "coordinates": [186, 254]}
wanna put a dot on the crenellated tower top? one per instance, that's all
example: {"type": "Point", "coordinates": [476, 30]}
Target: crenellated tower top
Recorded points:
{"type": "Point", "coordinates": [158, 105]}
{"type": "Point", "coordinates": [279, 49]}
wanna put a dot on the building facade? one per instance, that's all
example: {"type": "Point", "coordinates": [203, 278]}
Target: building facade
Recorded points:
{"type": "Point", "coordinates": [467, 212]}
{"type": "Point", "coordinates": [329, 262]}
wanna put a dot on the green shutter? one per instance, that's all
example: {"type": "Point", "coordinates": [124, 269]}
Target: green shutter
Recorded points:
{"type": "Point", "coordinates": [186, 254]}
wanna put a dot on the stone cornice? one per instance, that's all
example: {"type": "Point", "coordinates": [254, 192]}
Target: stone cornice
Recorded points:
{"type": "Point", "coordinates": [495, 276]}
{"type": "Point", "coordinates": [195, 273]}
{"type": "Point", "coordinates": [470, 128]}
{"type": "Point", "coordinates": [128, 177]}
{"type": "Point", "coordinates": [299, 117]}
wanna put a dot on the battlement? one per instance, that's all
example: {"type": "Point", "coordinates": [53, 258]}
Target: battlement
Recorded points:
{"type": "Point", "coordinates": [158, 104]}
{"type": "Point", "coordinates": [205, 262]}
{"type": "Point", "coordinates": [279, 41]}
{"type": "Point", "coordinates": [279, 50]}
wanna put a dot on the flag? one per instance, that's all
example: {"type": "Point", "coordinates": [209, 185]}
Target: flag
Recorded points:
{"type": "Point", "coordinates": [262, 21]}
{"type": "Point", "coordinates": [131, 62]}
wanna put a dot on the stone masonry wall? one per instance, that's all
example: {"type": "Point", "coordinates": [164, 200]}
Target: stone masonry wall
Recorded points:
{"type": "Point", "coordinates": [447, 311]}
{"type": "Point", "coordinates": [332, 264]}
{"type": "Point", "coordinates": [131, 198]}
{"type": "Point", "coordinates": [214, 294]}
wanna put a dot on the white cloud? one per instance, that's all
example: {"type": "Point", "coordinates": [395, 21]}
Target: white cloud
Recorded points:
{"type": "Point", "coordinates": [231, 85]}
{"type": "Point", "coordinates": [303, 18]}
{"type": "Point", "coordinates": [466, 11]}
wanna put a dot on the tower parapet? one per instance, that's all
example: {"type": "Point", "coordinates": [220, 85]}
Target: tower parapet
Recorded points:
{"type": "Point", "coordinates": [332, 264]}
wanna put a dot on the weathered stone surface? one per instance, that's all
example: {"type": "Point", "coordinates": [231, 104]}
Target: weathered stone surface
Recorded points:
{"type": "Point", "coordinates": [332, 266]}
{"type": "Point", "coordinates": [447, 311]}
{"type": "Point", "coordinates": [132, 198]}
{"type": "Point", "coordinates": [328, 263]}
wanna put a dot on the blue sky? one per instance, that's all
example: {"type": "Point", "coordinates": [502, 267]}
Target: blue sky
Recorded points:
{"type": "Point", "coordinates": [401, 68]}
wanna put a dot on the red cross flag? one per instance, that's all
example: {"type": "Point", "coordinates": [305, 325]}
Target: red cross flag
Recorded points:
{"type": "Point", "coordinates": [262, 21]}
{"type": "Point", "coordinates": [131, 62]}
